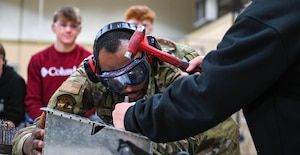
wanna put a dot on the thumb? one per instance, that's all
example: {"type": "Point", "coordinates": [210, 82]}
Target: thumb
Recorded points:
{"type": "Point", "coordinates": [41, 124]}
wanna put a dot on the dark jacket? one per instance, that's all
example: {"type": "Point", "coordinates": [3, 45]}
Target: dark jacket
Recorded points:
{"type": "Point", "coordinates": [256, 67]}
{"type": "Point", "coordinates": [12, 93]}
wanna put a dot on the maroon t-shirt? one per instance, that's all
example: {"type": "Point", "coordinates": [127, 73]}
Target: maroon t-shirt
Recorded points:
{"type": "Point", "coordinates": [47, 70]}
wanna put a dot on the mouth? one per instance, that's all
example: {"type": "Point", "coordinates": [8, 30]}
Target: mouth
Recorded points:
{"type": "Point", "coordinates": [133, 96]}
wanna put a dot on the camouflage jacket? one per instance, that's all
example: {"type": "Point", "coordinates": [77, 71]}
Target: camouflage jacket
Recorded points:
{"type": "Point", "coordinates": [79, 95]}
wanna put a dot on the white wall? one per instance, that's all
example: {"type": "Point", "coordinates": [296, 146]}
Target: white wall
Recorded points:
{"type": "Point", "coordinates": [29, 20]}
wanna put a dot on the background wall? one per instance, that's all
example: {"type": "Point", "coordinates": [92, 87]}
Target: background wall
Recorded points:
{"type": "Point", "coordinates": [30, 19]}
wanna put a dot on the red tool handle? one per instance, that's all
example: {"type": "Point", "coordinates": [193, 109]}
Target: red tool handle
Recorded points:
{"type": "Point", "coordinates": [139, 42]}
{"type": "Point", "coordinates": [166, 57]}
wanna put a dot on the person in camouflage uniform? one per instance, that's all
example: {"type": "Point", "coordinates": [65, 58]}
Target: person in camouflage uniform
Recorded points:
{"type": "Point", "coordinates": [87, 88]}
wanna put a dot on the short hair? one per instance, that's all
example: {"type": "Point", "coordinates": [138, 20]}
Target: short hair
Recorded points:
{"type": "Point", "coordinates": [140, 12]}
{"type": "Point", "coordinates": [68, 12]}
{"type": "Point", "coordinates": [111, 40]}
{"type": "Point", "coordinates": [2, 52]}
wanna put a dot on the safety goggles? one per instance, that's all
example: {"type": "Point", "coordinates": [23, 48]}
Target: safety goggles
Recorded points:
{"type": "Point", "coordinates": [131, 74]}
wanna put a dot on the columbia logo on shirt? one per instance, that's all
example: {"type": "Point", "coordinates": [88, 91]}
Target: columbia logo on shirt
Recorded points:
{"type": "Point", "coordinates": [61, 71]}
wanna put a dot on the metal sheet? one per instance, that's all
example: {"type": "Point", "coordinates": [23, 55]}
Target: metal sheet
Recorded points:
{"type": "Point", "coordinates": [70, 134]}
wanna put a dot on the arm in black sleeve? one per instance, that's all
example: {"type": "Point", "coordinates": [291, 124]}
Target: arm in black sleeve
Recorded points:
{"type": "Point", "coordinates": [15, 106]}
{"type": "Point", "coordinates": [244, 66]}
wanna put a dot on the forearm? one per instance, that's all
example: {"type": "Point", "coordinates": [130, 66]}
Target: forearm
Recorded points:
{"type": "Point", "coordinates": [14, 105]}
{"type": "Point", "coordinates": [20, 138]}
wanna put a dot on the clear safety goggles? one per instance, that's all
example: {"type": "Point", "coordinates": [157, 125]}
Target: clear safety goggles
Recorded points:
{"type": "Point", "coordinates": [131, 74]}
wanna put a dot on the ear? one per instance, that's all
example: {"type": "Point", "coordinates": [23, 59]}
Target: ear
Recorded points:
{"type": "Point", "coordinates": [149, 30]}
{"type": "Point", "coordinates": [90, 68]}
{"type": "Point", "coordinates": [53, 28]}
{"type": "Point", "coordinates": [79, 29]}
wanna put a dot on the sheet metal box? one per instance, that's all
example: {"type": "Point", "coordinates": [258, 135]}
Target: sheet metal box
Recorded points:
{"type": "Point", "coordinates": [70, 134]}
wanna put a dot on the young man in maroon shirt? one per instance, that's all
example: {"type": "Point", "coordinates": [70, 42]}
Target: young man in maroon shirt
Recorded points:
{"type": "Point", "coordinates": [48, 68]}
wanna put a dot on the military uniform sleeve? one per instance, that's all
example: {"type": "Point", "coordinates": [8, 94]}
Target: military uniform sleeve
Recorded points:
{"type": "Point", "coordinates": [19, 139]}
{"type": "Point", "coordinates": [21, 136]}
{"type": "Point", "coordinates": [74, 95]}
{"type": "Point", "coordinates": [181, 51]}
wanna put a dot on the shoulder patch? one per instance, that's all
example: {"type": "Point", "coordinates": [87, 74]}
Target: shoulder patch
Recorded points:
{"type": "Point", "coordinates": [65, 103]}
{"type": "Point", "coordinates": [70, 87]}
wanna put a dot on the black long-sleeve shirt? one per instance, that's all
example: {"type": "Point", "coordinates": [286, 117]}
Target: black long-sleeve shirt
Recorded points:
{"type": "Point", "coordinates": [12, 93]}
{"type": "Point", "coordinates": [256, 67]}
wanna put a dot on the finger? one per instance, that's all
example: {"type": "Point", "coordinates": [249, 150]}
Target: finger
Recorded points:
{"type": "Point", "coordinates": [194, 63]}
{"type": "Point", "coordinates": [41, 124]}
{"type": "Point", "coordinates": [38, 133]}
{"type": "Point", "coordinates": [36, 152]}
{"type": "Point", "coordinates": [9, 124]}
{"type": "Point", "coordinates": [184, 73]}
{"type": "Point", "coordinates": [38, 145]}
{"type": "Point", "coordinates": [191, 67]}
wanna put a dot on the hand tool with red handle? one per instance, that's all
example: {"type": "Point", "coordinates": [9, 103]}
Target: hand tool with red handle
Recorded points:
{"type": "Point", "coordinates": [138, 42]}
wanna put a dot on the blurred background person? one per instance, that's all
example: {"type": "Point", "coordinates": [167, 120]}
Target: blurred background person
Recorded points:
{"type": "Point", "coordinates": [141, 15]}
{"type": "Point", "coordinates": [12, 93]}
{"type": "Point", "coordinates": [48, 68]}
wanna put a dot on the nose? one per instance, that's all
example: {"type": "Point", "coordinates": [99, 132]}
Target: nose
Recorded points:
{"type": "Point", "coordinates": [68, 28]}
{"type": "Point", "coordinates": [127, 89]}
{"type": "Point", "coordinates": [139, 24]}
